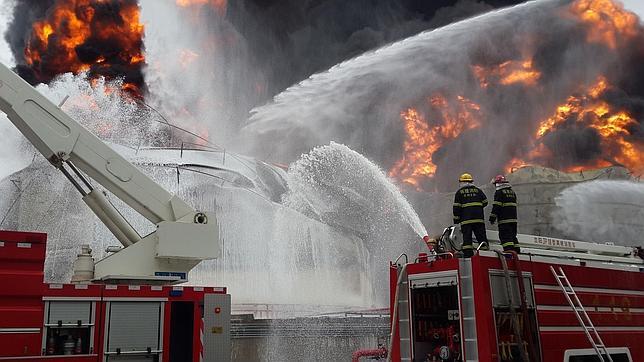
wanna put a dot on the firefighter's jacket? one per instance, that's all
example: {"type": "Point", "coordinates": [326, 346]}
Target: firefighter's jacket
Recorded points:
{"type": "Point", "coordinates": [504, 207]}
{"type": "Point", "coordinates": [469, 202]}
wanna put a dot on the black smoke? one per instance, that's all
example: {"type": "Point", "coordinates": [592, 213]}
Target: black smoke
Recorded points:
{"type": "Point", "coordinates": [115, 53]}
{"type": "Point", "coordinates": [292, 39]}
{"type": "Point", "coordinates": [330, 105]}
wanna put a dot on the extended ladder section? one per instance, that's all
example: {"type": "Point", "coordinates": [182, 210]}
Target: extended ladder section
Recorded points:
{"type": "Point", "coordinates": [582, 316]}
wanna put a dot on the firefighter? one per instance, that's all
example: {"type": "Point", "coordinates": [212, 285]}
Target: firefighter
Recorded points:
{"type": "Point", "coordinates": [504, 212]}
{"type": "Point", "coordinates": [469, 202]}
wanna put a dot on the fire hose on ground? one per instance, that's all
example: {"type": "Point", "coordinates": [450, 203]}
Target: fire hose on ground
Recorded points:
{"type": "Point", "coordinates": [378, 352]}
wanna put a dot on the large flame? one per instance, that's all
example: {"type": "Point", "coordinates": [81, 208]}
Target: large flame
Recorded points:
{"type": "Point", "coordinates": [458, 115]}
{"type": "Point", "coordinates": [103, 37]}
{"type": "Point", "coordinates": [589, 109]}
{"type": "Point", "coordinates": [507, 73]}
{"type": "Point", "coordinates": [614, 126]}
{"type": "Point", "coordinates": [607, 20]}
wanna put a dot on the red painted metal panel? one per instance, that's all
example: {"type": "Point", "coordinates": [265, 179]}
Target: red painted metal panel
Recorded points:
{"type": "Point", "coordinates": [591, 277]}
{"type": "Point", "coordinates": [485, 324]}
{"type": "Point", "coordinates": [568, 318]}
{"type": "Point", "coordinates": [395, 345]}
{"type": "Point", "coordinates": [22, 344]}
{"type": "Point", "coordinates": [591, 300]}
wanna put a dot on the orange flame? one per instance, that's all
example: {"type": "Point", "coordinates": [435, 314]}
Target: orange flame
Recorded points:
{"type": "Point", "coordinates": [507, 73]}
{"type": "Point", "coordinates": [219, 5]}
{"type": "Point", "coordinates": [424, 139]}
{"type": "Point", "coordinates": [607, 20]}
{"type": "Point", "coordinates": [590, 111]}
{"type": "Point", "coordinates": [56, 42]}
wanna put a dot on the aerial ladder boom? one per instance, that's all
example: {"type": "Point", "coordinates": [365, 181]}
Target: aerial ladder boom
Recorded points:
{"type": "Point", "coordinates": [183, 236]}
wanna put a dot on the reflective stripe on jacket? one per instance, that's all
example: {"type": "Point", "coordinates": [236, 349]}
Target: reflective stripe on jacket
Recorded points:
{"type": "Point", "coordinates": [469, 202]}
{"type": "Point", "coordinates": [504, 207]}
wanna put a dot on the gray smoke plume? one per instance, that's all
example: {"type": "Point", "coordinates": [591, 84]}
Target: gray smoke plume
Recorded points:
{"type": "Point", "coordinates": [602, 211]}
{"type": "Point", "coordinates": [222, 64]}
{"type": "Point", "coordinates": [359, 102]}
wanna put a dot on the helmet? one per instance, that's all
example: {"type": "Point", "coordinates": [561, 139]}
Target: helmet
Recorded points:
{"type": "Point", "coordinates": [466, 177]}
{"type": "Point", "coordinates": [500, 179]}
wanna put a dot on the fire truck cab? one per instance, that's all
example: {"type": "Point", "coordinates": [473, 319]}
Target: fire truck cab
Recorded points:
{"type": "Point", "coordinates": [560, 300]}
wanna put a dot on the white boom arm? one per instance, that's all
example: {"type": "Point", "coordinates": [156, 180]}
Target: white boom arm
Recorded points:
{"type": "Point", "coordinates": [183, 236]}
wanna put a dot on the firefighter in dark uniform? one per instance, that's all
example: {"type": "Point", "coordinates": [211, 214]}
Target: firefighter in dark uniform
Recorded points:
{"type": "Point", "coordinates": [504, 212]}
{"type": "Point", "coordinates": [469, 202]}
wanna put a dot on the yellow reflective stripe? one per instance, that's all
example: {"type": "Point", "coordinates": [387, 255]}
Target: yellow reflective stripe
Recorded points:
{"type": "Point", "coordinates": [456, 217]}
{"type": "Point", "coordinates": [507, 221]}
{"type": "Point", "coordinates": [485, 202]}
{"type": "Point", "coordinates": [473, 204]}
{"type": "Point", "coordinates": [456, 204]}
{"type": "Point", "coordinates": [465, 247]}
{"type": "Point", "coordinates": [509, 243]}
{"type": "Point", "coordinates": [509, 204]}
{"type": "Point", "coordinates": [498, 203]}
{"type": "Point", "coordinates": [473, 221]}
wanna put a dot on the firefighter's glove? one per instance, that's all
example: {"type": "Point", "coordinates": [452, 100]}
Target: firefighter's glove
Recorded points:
{"type": "Point", "coordinates": [492, 219]}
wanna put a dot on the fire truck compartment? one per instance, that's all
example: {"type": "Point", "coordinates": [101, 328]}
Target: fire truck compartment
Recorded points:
{"type": "Point", "coordinates": [436, 316]}
{"type": "Point", "coordinates": [515, 325]}
{"type": "Point", "coordinates": [133, 328]}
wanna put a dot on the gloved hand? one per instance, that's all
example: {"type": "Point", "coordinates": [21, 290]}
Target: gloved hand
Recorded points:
{"type": "Point", "coordinates": [492, 219]}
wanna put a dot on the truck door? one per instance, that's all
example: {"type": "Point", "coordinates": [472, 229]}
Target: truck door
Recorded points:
{"type": "Point", "coordinates": [133, 331]}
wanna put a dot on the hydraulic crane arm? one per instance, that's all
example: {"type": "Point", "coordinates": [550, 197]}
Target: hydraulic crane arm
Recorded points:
{"type": "Point", "coordinates": [60, 139]}
{"type": "Point", "coordinates": [183, 234]}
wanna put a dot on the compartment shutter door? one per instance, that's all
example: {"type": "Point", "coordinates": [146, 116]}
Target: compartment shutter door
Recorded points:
{"type": "Point", "coordinates": [134, 326]}
{"type": "Point", "coordinates": [69, 312]}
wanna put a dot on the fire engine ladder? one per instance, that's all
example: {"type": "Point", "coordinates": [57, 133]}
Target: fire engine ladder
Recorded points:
{"type": "Point", "coordinates": [582, 316]}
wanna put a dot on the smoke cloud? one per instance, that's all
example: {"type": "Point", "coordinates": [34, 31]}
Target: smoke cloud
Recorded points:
{"type": "Point", "coordinates": [49, 38]}
{"type": "Point", "coordinates": [359, 102]}
{"type": "Point", "coordinates": [602, 211]}
{"type": "Point", "coordinates": [223, 62]}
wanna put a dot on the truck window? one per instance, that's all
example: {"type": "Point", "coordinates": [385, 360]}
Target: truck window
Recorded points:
{"type": "Point", "coordinates": [617, 357]}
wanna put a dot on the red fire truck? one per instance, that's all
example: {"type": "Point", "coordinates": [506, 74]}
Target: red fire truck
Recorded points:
{"type": "Point", "coordinates": [559, 300]}
{"type": "Point", "coordinates": [103, 322]}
